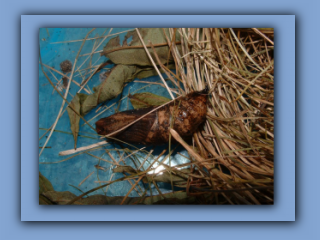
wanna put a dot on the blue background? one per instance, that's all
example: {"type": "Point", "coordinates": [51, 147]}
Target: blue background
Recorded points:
{"type": "Point", "coordinates": [307, 163]}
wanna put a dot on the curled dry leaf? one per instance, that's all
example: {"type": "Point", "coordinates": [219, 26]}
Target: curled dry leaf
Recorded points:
{"type": "Point", "coordinates": [133, 53]}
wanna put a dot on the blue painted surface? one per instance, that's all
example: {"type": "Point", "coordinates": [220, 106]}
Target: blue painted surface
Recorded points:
{"type": "Point", "coordinates": [73, 171]}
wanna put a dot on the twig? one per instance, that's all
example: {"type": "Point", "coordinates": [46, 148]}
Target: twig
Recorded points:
{"type": "Point", "coordinates": [80, 149]}
{"type": "Point", "coordinates": [264, 36]}
{"type": "Point", "coordinates": [133, 186]}
{"type": "Point", "coordinates": [85, 178]}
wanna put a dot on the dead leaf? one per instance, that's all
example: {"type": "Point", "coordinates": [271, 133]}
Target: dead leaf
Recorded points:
{"type": "Point", "coordinates": [135, 53]}
{"type": "Point", "coordinates": [61, 198]}
{"type": "Point", "coordinates": [75, 118]}
{"type": "Point", "coordinates": [44, 184]}
{"type": "Point", "coordinates": [123, 169]}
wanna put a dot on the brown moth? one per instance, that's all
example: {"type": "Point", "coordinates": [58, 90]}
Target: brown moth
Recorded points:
{"type": "Point", "coordinates": [184, 115]}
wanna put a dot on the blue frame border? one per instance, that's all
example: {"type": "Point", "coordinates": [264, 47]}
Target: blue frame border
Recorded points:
{"type": "Point", "coordinates": [284, 207]}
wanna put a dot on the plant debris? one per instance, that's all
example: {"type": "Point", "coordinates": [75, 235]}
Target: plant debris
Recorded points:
{"type": "Point", "coordinates": [66, 66]}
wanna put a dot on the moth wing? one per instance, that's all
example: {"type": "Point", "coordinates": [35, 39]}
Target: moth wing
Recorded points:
{"type": "Point", "coordinates": [135, 133]}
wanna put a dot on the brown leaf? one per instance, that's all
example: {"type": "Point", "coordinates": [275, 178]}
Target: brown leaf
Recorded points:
{"type": "Point", "coordinates": [123, 169]}
{"type": "Point", "coordinates": [135, 53]}
{"type": "Point", "coordinates": [61, 198]}
{"type": "Point", "coordinates": [74, 118]}
{"type": "Point", "coordinates": [44, 184]}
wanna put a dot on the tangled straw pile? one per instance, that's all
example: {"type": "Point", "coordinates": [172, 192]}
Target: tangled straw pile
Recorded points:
{"type": "Point", "coordinates": [237, 144]}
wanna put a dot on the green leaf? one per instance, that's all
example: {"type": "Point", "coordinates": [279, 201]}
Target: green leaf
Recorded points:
{"type": "Point", "coordinates": [143, 100]}
{"type": "Point", "coordinates": [110, 88]}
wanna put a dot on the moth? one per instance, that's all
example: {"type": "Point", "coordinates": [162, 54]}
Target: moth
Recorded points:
{"type": "Point", "coordinates": [185, 115]}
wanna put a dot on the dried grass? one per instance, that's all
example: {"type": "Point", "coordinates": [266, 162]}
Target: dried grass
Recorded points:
{"type": "Point", "coordinates": [238, 67]}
